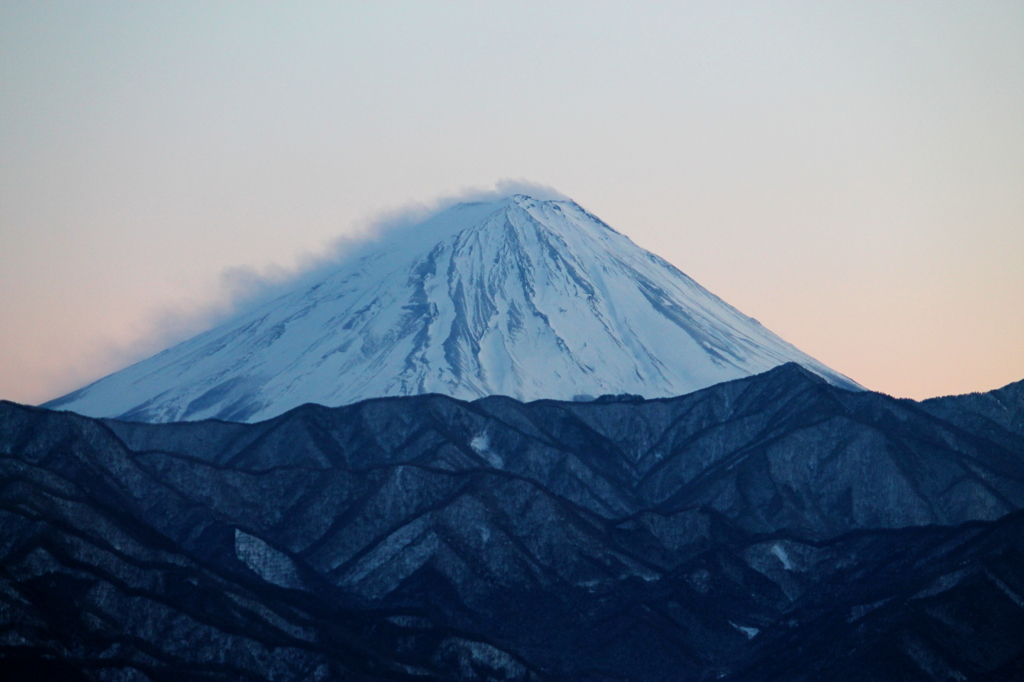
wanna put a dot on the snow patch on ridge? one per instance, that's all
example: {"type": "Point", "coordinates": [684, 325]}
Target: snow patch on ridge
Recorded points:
{"type": "Point", "coordinates": [780, 551]}
{"type": "Point", "coordinates": [482, 446]}
{"type": "Point", "coordinates": [270, 564]}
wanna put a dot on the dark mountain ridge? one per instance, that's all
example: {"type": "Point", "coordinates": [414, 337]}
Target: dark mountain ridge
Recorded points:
{"type": "Point", "coordinates": [774, 527]}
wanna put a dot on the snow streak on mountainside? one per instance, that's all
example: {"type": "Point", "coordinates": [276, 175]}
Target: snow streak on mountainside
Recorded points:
{"type": "Point", "coordinates": [526, 298]}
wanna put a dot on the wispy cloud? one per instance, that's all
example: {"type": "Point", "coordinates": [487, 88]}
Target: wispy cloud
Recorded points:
{"type": "Point", "coordinates": [239, 290]}
{"type": "Point", "coordinates": [243, 288]}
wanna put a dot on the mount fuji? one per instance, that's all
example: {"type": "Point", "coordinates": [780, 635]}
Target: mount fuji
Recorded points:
{"type": "Point", "coordinates": [519, 297]}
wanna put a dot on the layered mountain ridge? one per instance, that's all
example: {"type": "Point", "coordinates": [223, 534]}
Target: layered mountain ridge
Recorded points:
{"type": "Point", "coordinates": [518, 297]}
{"type": "Point", "coordinates": [436, 494]}
{"type": "Point", "coordinates": [774, 527]}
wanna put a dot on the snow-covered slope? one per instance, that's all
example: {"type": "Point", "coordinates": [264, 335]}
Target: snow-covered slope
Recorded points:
{"type": "Point", "coordinates": [520, 297]}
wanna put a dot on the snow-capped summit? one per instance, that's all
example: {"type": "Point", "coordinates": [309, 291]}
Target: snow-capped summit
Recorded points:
{"type": "Point", "coordinates": [526, 298]}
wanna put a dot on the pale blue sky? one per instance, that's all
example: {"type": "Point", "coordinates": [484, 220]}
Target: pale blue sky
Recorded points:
{"type": "Point", "coordinates": [852, 174]}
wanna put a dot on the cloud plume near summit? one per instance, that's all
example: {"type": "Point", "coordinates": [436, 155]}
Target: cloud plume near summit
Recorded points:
{"type": "Point", "coordinates": [241, 288]}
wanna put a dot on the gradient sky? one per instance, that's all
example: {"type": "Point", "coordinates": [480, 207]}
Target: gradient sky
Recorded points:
{"type": "Point", "coordinates": [850, 174]}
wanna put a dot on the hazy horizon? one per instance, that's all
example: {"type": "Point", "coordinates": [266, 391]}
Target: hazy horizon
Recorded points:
{"type": "Point", "coordinates": [852, 177]}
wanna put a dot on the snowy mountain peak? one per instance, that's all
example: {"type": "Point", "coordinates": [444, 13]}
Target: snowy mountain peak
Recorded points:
{"type": "Point", "coordinates": [520, 297]}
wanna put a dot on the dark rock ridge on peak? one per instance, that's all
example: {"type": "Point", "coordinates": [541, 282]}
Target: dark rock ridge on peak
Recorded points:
{"type": "Point", "coordinates": [770, 528]}
{"type": "Point", "coordinates": [518, 297]}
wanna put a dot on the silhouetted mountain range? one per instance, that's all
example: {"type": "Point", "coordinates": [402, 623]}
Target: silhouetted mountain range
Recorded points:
{"type": "Point", "coordinates": [775, 527]}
